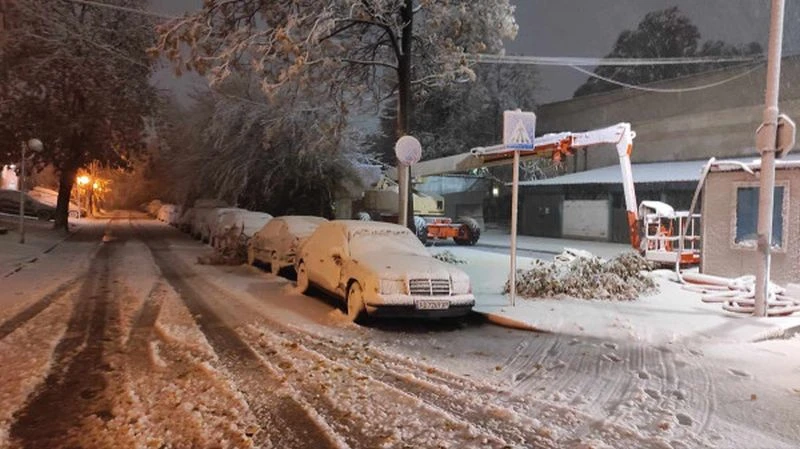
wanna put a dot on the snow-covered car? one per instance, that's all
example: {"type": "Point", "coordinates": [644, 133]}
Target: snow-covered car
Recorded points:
{"type": "Point", "coordinates": [381, 269]}
{"type": "Point", "coordinates": [50, 197]}
{"type": "Point", "coordinates": [153, 207]}
{"type": "Point", "coordinates": [203, 215]}
{"type": "Point", "coordinates": [9, 203]}
{"type": "Point", "coordinates": [277, 242]}
{"type": "Point", "coordinates": [186, 219]}
{"type": "Point", "coordinates": [169, 213]}
{"type": "Point", "coordinates": [239, 223]}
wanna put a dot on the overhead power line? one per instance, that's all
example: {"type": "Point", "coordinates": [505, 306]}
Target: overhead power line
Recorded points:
{"type": "Point", "coordinates": [583, 61]}
{"type": "Point", "coordinates": [123, 8]}
{"type": "Point", "coordinates": [668, 90]}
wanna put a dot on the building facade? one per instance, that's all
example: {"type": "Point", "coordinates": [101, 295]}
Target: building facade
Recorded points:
{"type": "Point", "coordinates": [730, 217]}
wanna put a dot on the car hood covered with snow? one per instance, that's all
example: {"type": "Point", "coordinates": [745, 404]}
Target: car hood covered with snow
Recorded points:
{"type": "Point", "coordinates": [404, 266]}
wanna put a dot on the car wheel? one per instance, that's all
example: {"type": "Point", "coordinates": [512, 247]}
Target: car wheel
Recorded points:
{"type": "Point", "coordinates": [44, 215]}
{"type": "Point", "coordinates": [469, 233]}
{"type": "Point", "coordinates": [274, 263]}
{"type": "Point", "coordinates": [251, 255]}
{"type": "Point", "coordinates": [355, 302]}
{"type": "Point", "coordinates": [73, 214]}
{"type": "Point", "coordinates": [302, 278]}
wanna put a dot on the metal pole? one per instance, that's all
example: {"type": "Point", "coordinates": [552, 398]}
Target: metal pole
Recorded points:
{"type": "Point", "coordinates": [767, 145]}
{"type": "Point", "coordinates": [78, 188]}
{"type": "Point", "coordinates": [21, 184]}
{"type": "Point", "coordinates": [403, 181]}
{"type": "Point", "coordinates": [514, 207]}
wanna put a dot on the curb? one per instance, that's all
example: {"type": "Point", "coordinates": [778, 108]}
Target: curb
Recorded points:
{"type": "Point", "coordinates": [534, 250]}
{"type": "Point", "coordinates": [47, 250]}
{"type": "Point", "coordinates": [511, 323]}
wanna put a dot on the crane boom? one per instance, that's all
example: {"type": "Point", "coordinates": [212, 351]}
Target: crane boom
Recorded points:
{"type": "Point", "coordinates": [559, 145]}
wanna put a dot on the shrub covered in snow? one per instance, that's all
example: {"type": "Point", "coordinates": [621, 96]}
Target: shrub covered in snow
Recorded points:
{"type": "Point", "coordinates": [586, 277]}
{"type": "Point", "coordinates": [449, 257]}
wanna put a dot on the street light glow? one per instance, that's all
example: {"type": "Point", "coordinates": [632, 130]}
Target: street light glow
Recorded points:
{"type": "Point", "coordinates": [83, 180]}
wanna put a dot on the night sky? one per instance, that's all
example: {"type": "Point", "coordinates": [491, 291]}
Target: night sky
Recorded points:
{"type": "Point", "coordinates": [590, 27]}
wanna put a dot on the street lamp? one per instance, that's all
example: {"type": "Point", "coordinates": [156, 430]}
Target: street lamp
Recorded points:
{"type": "Point", "coordinates": [36, 146]}
{"type": "Point", "coordinates": [82, 181]}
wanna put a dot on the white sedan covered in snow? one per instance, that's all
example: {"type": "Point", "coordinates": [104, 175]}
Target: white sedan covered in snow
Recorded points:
{"type": "Point", "coordinates": [236, 223]}
{"type": "Point", "coordinates": [277, 242]}
{"type": "Point", "coordinates": [381, 269]}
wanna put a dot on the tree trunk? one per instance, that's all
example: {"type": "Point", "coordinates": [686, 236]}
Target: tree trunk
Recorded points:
{"type": "Point", "coordinates": [404, 91]}
{"type": "Point", "coordinates": [65, 182]}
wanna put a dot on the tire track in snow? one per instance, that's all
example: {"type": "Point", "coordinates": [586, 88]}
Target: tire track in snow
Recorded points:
{"type": "Point", "coordinates": [399, 401]}
{"type": "Point", "coordinates": [284, 420]}
{"type": "Point", "coordinates": [74, 388]}
{"type": "Point", "coordinates": [30, 312]}
{"type": "Point", "coordinates": [512, 417]}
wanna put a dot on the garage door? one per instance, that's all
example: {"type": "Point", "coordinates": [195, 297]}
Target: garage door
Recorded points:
{"type": "Point", "coordinates": [586, 219]}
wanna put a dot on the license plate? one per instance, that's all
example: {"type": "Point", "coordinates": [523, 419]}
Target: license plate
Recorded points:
{"type": "Point", "coordinates": [432, 305]}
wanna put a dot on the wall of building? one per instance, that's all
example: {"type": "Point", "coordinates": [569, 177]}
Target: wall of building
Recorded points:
{"type": "Point", "coordinates": [719, 121]}
{"type": "Point", "coordinates": [721, 256]}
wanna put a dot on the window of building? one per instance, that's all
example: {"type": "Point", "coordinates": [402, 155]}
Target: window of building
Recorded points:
{"type": "Point", "coordinates": [747, 216]}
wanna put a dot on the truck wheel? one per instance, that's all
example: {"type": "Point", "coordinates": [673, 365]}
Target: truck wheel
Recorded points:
{"type": "Point", "coordinates": [422, 229]}
{"type": "Point", "coordinates": [468, 233]}
{"type": "Point", "coordinates": [364, 216]}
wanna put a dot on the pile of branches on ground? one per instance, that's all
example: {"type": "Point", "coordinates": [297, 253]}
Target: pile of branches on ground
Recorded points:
{"type": "Point", "coordinates": [449, 257]}
{"type": "Point", "coordinates": [579, 275]}
{"type": "Point", "coordinates": [230, 248]}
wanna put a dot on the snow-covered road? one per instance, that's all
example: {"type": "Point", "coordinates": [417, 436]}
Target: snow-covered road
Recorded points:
{"type": "Point", "coordinates": [130, 343]}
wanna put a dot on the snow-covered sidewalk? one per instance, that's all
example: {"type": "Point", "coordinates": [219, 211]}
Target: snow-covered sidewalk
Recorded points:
{"type": "Point", "coordinates": [501, 239]}
{"type": "Point", "coordinates": [39, 237]}
{"type": "Point", "coordinates": [671, 315]}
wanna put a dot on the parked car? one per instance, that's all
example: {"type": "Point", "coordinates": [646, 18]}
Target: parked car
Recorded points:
{"type": "Point", "coordinates": [277, 242]}
{"type": "Point", "coordinates": [381, 269]}
{"type": "Point", "coordinates": [207, 220]}
{"type": "Point", "coordinates": [50, 197]}
{"type": "Point", "coordinates": [169, 213]}
{"type": "Point", "coordinates": [186, 219]}
{"type": "Point", "coordinates": [240, 222]}
{"type": "Point", "coordinates": [9, 203]}
{"type": "Point", "coordinates": [203, 211]}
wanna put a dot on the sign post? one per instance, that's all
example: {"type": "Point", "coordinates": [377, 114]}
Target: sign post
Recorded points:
{"type": "Point", "coordinates": [408, 151]}
{"type": "Point", "coordinates": [519, 129]}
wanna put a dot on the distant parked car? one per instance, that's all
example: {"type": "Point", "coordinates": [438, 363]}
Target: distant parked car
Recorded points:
{"type": "Point", "coordinates": [186, 219]}
{"type": "Point", "coordinates": [9, 203]}
{"type": "Point", "coordinates": [204, 209]}
{"type": "Point", "coordinates": [278, 241]}
{"type": "Point", "coordinates": [50, 197]}
{"type": "Point", "coordinates": [381, 269]}
{"type": "Point", "coordinates": [239, 222]}
{"type": "Point", "coordinates": [169, 213]}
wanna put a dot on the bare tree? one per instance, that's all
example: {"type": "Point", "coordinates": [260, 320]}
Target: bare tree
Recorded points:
{"type": "Point", "coordinates": [77, 77]}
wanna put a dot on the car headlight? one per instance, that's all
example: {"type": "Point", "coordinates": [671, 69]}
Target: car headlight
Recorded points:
{"type": "Point", "coordinates": [393, 287]}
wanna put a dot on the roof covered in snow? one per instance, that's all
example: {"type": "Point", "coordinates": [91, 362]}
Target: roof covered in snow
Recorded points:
{"type": "Point", "coordinates": [655, 172]}
{"type": "Point", "coordinates": [684, 171]}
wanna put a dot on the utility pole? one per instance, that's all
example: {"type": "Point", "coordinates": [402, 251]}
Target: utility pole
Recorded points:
{"type": "Point", "coordinates": [767, 143]}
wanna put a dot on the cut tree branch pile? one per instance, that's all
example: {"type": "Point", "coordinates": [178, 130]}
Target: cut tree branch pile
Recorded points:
{"type": "Point", "coordinates": [579, 274]}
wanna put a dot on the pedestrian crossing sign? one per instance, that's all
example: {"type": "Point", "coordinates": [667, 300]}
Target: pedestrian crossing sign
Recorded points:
{"type": "Point", "coordinates": [519, 129]}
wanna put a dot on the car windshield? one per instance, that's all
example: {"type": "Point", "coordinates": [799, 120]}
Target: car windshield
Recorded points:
{"type": "Point", "coordinates": [387, 241]}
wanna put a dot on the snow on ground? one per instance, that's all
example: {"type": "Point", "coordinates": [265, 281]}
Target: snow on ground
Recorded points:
{"type": "Point", "coordinates": [673, 314]}
{"type": "Point", "coordinates": [26, 358]}
{"type": "Point", "coordinates": [181, 376]}
{"type": "Point", "coordinates": [39, 237]}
